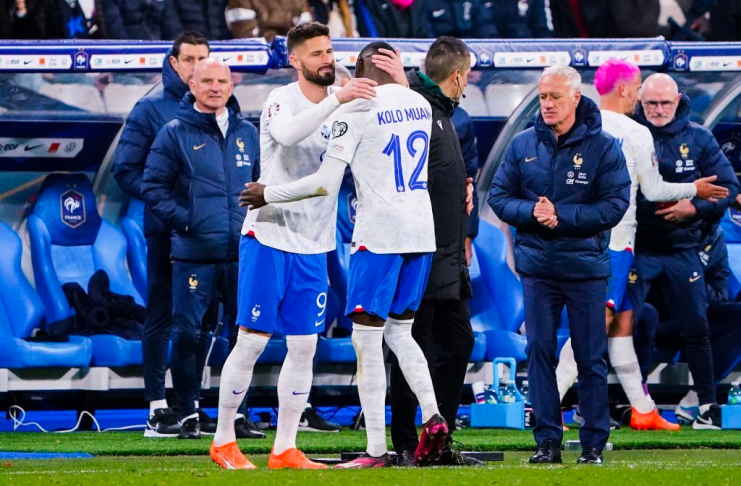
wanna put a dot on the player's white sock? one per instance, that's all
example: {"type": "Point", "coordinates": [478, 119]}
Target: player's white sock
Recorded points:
{"type": "Point", "coordinates": [155, 404]}
{"type": "Point", "coordinates": [413, 364]}
{"type": "Point", "coordinates": [235, 380]}
{"type": "Point", "coordinates": [690, 400]}
{"type": "Point", "coordinates": [625, 363]}
{"type": "Point", "coordinates": [566, 371]}
{"type": "Point", "coordinates": [368, 344]}
{"type": "Point", "coordinates": [294, 385]}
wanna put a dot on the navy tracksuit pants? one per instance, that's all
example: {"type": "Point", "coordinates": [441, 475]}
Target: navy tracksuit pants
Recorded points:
{"type": "Point", "coordinates": [195, 288]}
{"type": "Point", "coordinates": [681, 275]}
{"type": "Point", "coordinates": [158, 320]}
{"type": "Point", "coordinates": [585, 306]}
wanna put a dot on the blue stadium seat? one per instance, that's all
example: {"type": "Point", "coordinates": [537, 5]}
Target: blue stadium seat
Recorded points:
{"type": "Point", "coordinates": [69, 243]}
{"type": "Point", "coordinates": [21, 311]}
{"type": "Point", "coordinates": [275, 352]}
{"type": "Point", "coordinates": [335, 350]}
{"type": "Point", "coordinates": [132, 226]}
{"type": "Point", "coordinates": [731, 224]}
{"type": "Point", "coordinates": [478, 353]}
{"type": "Point", "coordinates": [497, 307]}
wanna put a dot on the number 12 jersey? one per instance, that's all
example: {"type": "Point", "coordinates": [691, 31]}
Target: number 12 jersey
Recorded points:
{"type": "Point", "coordinates": [385, 141]}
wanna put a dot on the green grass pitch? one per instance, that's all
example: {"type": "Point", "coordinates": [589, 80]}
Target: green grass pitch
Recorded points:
{"type": "Point", "coordinates": [684, 458]}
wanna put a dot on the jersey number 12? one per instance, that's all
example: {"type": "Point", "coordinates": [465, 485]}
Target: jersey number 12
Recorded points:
{"type": "Point", "coordinates": [393, 149]}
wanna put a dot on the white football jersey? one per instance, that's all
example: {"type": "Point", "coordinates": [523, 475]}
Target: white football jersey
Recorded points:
{"type": "Point", "coordinates": [640, 156]}
{"type": "Point", "coordinates": [385, 141]}
{"type": "Point", "coordinates": [306, 226]}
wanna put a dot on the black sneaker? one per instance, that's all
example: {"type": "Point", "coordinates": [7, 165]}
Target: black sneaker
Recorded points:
{"type": "Point", "coordinates": [549, 452]}
{"type": "Point", "coordinates": [405, 458]}
{"type": "Point", "coordinates": [208, 425]}
{"type": "Point", "coordinates": [590, 455]}
{"type": "Point", "coordinates": [311, 421]}
{"type": "Point", "coordinates": [451, 457]}
{"type": "Point", "coordinates": [579, 420]}
{"type": "Point", "coordinates": [247, 430]}
{"type": "Point", "coordinates": [163, 423]}
{"type": "Point", "coordinates": [190, 429]}
{"type": "Point", "coordinates": [709, 420]}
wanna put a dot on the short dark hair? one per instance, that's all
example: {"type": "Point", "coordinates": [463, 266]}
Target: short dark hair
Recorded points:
{"type": "Point", "coordinates": [446, 55]}
{"type": "Point", "coordinates": [303, 32]}
{"type": "Point", "coordinates": [189, 37]}
{"type": "Point", "coordinates": [369, 50]}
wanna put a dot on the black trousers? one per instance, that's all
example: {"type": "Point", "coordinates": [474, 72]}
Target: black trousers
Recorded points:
{"type": "Point", "coordinates": [443, 331]}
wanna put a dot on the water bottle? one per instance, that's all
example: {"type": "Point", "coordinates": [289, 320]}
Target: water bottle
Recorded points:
{"type": "Point", "coordinates": [491, 395]}
{"type": "Point", "coordinates": [479, 391]}
{"type": "Point", "coordinates": [511, 395]}
{"type": "Point", "coordinates": [734, 394]}
{"type": "Point", "coordinates": [525, 392]}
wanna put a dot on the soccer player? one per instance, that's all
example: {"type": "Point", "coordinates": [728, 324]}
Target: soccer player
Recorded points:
{"type": "Point", "coordinates": [618, 83]}
{"type": "Point", "coordinates": [282, 256]}
{"type": "Point", "coordinates": [385, 142]}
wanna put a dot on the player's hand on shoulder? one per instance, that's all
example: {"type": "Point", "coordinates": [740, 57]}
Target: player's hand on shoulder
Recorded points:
{"type": "Point", "coordinates": [390, 62]}
{"type": "Point", "coordinates": [357, 88]}
{"type": "Point", "coordinates": [254, 196]}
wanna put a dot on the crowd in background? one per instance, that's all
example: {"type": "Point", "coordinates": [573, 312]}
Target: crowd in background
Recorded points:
{"type": "Point", "coordinates": [693, 20]}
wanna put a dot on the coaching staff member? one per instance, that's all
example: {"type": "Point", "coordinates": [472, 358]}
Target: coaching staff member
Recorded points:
{"type": "Point", "coordinates": [195, 171]}
{"type": "Point", "coordinates": [564, 184]}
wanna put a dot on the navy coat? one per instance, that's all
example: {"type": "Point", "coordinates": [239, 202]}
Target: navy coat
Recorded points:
{"type": "Point", "coordinates": [587, 180]}
{"type": "Point", "coordinates": [193, 178]}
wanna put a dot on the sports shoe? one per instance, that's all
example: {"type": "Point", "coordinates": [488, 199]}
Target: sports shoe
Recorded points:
{"type": "Point", "coordinates": [163, 423]}
{"type": "Point", "coordinates": [208, 424]}
{"type": "Point", "coordinates": [432, 441]}
{"type": "Point", "coordinates": [686, 415]}
{"type": "Point", "coordinates": [579, 420]}
{"type": "Point", "coordinates": [190, 429]}
{"type": "Point", "coordinates": [311, 421]}
{"type": "Point", "coordinates": [405, 458]}
{"type": "Point", "coordinates": [710, 420]}
{"type": "Point", "coordinates": [366, 462]}
{"type": "Point", "coordinates": [229, 456]}
{"type": "Point", "coordinates": [650, 421]}
{"type": "Point", "coordinates": [548, 452]}
{"type": "Point", "coordinates": [451, 457]}
{"type": "Point", "coordinates": [247, 430]}
{"type": "Point", "coordinates": [292, 459]}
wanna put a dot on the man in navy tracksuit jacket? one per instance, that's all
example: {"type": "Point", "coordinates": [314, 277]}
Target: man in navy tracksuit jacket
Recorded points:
{"type": "Point", "coordinates": [668, 238]}
{"type": "Point", "coordinates": [564, 184]}
{"type": "Point", "coordinates": [198, 165]}
{"type": "Point", "coordinates": [146, 119]}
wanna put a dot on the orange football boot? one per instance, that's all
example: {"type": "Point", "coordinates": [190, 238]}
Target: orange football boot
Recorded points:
{"type": "Point", "coordinates": [229, 456]}
{"type": "Point", "coordinates": [650, 421]}
{"type": "Point", "coordinates": [292, 459]}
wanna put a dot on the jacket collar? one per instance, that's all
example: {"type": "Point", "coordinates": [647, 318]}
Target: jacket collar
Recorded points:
{"type": "Point", "coordinates": [681, 119]}
{"type": "Point", "coordinates": [431, 92]}
{"type": "Point", "coordinates": [587, 124]}
{"type": "Point", "coordinates": [171, 81]}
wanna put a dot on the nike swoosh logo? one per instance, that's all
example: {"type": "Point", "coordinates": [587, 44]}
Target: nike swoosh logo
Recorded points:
{"type": "Point", "coordinates": [300, 393]}
{"type": "Point", "coordinates": [128, 62]}
{"type": "Point", "coordinates": [318, 323]}
{"type": "Point", "coordinates": [438, 13]}
{"type": "Point", "coordinates": [28, 62]}
{"type": "Point", "coordinates": [239, 392]}
{"type": "Point", "coordinates": [695, 279]}
{"type": "Point", "coordinates": [530, 159]}
{"type": "Point", "coordinates": [198, 147]}
{"type": "Point", "coordinates": [34, 147]}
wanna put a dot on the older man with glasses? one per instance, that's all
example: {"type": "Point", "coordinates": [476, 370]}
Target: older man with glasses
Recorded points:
{"type": "Point", "coordinates": [669, 235]}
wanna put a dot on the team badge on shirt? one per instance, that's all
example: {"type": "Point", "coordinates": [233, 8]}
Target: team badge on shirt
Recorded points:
{"type": "Point", "coordinates": [578, 161]}
{"type": "Point", "coordinates": [192, 282]}
{"type": "Point", "coordinates": [273, 110]}
{"type": "Point", "coordinates": [240, 145]}
{"type": "Point", "coordinates": [325, 131]}
{"type": "Point", "coordinates": [339, 129]}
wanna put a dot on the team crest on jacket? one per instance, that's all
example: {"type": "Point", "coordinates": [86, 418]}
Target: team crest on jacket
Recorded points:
{"type": "Point", "coordinates": [240, 145]}
{"type": "Point", "coordinates": [578, 161]}
{"type": "Point", "coordinates": [273, 110]}
{"type": "Point", "coordinates": [72, 208]}
{"type": "Point", "coordinates": [684, 150]}
{"type": "Point", "coordinates": [632, 277]}
{"type": "Point", "coordinates": [339, 129]}
{"type": "Point", "coordinates": [192, 282]}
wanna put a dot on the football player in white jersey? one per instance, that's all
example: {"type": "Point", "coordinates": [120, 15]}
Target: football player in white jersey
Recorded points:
{"type": "Point", "coordinates": [282, 256]}
{"type": "Point", "coordinates": [618, 82]}
{"type": "Point", "coordinates": [385, 143]}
